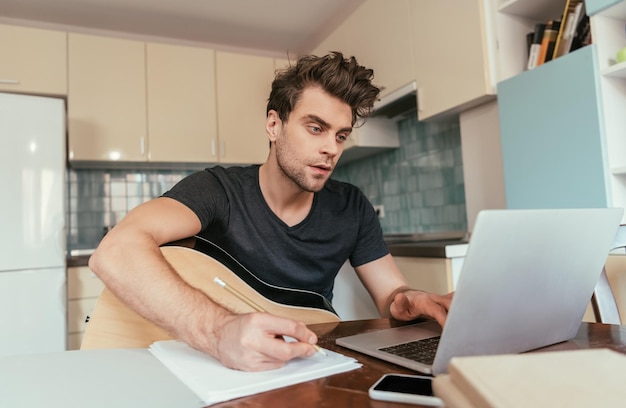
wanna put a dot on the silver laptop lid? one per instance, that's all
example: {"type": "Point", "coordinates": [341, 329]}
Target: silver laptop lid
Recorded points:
{"type": "Point", "coordinates": [526, 280]}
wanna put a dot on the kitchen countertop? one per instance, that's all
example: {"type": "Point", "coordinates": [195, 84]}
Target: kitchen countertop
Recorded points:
{"type": "Point", "coordinates": [432, 249]}
{"type": "Point", "coordinates": [79, 257]}
{"type": "Point", "coordinates": [77, 261]}
{"type": "Point", "coordinates": [428, 245]}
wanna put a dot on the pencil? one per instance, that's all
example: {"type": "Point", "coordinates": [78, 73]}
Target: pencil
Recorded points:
{"type": "Point", "coordinates": [253, 305]}
{"type": "Point", "coordinates": [238, 295]}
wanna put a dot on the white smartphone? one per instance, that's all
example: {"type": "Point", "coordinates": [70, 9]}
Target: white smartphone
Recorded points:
{"type": "Point", "coordinates": [410, 389]}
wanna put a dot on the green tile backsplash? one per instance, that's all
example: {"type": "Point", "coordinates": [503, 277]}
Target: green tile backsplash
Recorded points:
{"type": "Point", "coordinates": [99, 199]}
{"type": "Point", "coordinates": [420, 185]}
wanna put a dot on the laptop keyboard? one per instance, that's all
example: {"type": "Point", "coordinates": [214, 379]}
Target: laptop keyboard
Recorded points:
{"type": "Point", "coordinates": [422, 351]}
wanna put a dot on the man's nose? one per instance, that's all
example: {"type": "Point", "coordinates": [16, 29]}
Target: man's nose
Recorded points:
{"type": "Point", "coordinates": [330, 146]}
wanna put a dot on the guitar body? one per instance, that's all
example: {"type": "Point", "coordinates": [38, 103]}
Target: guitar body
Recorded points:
{"type": "Point", "coordinates": [114, 325]}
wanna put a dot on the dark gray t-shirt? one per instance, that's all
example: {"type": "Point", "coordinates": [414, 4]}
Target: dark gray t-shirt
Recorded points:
{"type": "Point", "coordinates": [341, 225]}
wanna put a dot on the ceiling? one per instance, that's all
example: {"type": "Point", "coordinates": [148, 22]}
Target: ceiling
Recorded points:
{"type": "Point", "coordinates": [265, 26]}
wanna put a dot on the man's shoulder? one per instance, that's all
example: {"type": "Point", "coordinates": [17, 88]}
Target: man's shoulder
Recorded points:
{"type": "Point", "coordinates": [234, 174]}
{"type": "Point", "coordinates": [233, 171]}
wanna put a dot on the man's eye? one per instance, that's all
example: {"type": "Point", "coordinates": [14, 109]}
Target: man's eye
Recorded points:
{"type": "Point", "coordinates": [341, 138]}
{"type": "Point", "coordinates": [315, 129]}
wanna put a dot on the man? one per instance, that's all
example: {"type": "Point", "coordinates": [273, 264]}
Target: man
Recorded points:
{"type": "Point", "coordinates": [284, 220]}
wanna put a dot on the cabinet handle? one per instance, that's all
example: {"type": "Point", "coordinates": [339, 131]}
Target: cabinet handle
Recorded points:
{"type": "Point", "coordinates": [213, 152]}
{"type": "Point", "coordinates": [142, 145]}
{"type": "Point", "coordinates": [9, 81]}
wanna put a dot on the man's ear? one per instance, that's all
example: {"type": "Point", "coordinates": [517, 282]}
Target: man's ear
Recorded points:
{"type": "Point", "coordinates": [272, 125]}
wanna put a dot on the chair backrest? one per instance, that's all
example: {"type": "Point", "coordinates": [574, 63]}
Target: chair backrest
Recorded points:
{"type": "Point", "coordinates": [603, 301]}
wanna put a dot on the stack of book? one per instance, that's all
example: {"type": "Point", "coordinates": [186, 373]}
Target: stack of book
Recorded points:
{"type": "Point", "coordinates": [574, 378]}
{"type": "Point", "coordinates": [558, 37]}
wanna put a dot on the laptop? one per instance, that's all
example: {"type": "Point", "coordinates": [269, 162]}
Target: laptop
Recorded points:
{"type": "Point", "coordinates": [526, 281]}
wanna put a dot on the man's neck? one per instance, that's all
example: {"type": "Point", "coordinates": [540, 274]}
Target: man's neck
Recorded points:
{"type": "Point", "coordinates": [286, 199]}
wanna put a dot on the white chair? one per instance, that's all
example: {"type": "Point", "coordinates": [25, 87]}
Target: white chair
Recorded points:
{"type": "Point", "coordinates": [604, 303]}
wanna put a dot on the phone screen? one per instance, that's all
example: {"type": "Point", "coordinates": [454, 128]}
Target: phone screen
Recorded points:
{"type": "Point", "coordinates": [406, 385]}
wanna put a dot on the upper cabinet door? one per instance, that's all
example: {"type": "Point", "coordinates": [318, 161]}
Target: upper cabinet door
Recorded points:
{"type": "Point", "coordinates": [378, 34]}
{"type": "Point", "coordinates": [552, 135]}
{"type": "Point", "coordinates": [596, 6]}
{"type": "Point", "coordinates": [382, 41]}
{"type": "Point", "coordinates": [107, 99]}
{"type": "Point", "coordinates": [243, 86]}
{"type": "Point", "coordinates": [182, 117]}
{"type": "Point", "coordinates": [33, 60]}
{"type": "Point", "coordinates": [451, 56]}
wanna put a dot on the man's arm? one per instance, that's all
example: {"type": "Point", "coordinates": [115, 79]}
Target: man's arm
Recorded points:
{"type": "Point", "coordinates": [393, 297]}
{"type": "Point", "coordinates": [130, 263]}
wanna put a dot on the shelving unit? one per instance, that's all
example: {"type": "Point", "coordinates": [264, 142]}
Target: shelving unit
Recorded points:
{"type": "Point", "coordinates": [532, 9]}
{"type": "Point", "coordinates": [515, 19]}
{"type": "Point", "coordinates": [608, 30]}
{"type": "Point", "coordinates": [571, 154]}
{"type": "Point", "coordinates": [615, 71]}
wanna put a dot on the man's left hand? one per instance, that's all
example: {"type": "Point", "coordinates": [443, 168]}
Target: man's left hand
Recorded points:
{"type": "Point", "coordinates": [411, 304]}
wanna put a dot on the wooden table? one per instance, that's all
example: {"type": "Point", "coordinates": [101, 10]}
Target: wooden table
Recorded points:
{"type": "Point", "coordinates": [350, 389]}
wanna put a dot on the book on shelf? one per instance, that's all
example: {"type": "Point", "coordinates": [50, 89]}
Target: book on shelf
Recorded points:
{"type": "Point", "coordinates": [535, 46]}
{"type": "Point", "coordinates": [548, 41]}
{"type": "Point", "coordinates": [582, 37]}
{"type": "Point", "coordinates": [560, 37]}
{"type": "Point", "coordinates": [569, 22]}
{"type": "Point", "coordinates": [572, 378]}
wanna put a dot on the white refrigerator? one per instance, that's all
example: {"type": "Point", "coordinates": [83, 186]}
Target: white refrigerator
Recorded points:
{"type": "Point", "coordinates": [33, 315]}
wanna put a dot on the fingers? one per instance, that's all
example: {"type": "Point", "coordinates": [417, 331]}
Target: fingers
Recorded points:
{"type": "Point", "coordinates": [412, 304]}
{"type": "Point", "coordinates": [291, 328]}
{"type": "Point", "coordinates": [254, 342]}
{"type": "Point", "coordinates": [439, 313]}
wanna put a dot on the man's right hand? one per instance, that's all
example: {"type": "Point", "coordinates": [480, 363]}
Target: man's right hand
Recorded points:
{"type": "Point", "coordinates": [254, 341]}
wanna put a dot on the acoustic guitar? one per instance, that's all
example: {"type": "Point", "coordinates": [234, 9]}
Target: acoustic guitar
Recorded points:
{"type": "Point", "coordinates": [217, 274]}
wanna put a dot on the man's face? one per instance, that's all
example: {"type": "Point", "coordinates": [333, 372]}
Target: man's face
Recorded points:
{"type": "Point", "coordinates": [310, 142]}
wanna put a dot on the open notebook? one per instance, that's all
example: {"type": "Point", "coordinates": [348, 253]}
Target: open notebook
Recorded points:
{"type": "Point", "coordinates": [213, 382]}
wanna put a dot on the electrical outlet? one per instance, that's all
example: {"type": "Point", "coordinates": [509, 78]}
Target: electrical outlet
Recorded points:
{"type": "Point", "coordinates": [380, 210]}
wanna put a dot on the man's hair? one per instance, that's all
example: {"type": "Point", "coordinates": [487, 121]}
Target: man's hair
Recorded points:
{"type": "Point", "coordinates": [341, 77]}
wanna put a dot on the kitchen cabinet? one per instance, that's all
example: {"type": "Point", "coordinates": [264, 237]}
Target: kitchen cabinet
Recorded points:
{"type": "Point", "coordinates": [562, 127]}
{"type": "Point", "coordinates": [375, 136]}
{"type": "Point", "coordinates": [106, 99]}
{"type": "Point", "coordinates": [33, 60]}
{"type": "Point", "coordinates": [552, 148]}
{"type": "Point", "coordinates": [243, 86]}
{"type": "Point", "coordinates": [437, 275]}
{"type": "Point", "coordinates": [454, 47]}
{"type": "Point", "coordinates": [83, 290]}
{"type": "Point", "coordinates": [281, 63]}
{"type": "Point", "coordinates": [146, 102]}
{"type": "Point", "coordinates": [378, 34]}
{"type": "Point", "coordinates": [182, 112]}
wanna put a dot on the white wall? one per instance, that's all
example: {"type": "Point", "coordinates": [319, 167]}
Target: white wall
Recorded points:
{"type": "Point", "coordinates": [482, 160]}
{"type": "Point", "coordinates": [350, 298]}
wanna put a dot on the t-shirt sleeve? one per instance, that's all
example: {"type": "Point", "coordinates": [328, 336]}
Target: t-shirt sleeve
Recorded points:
{"type": "Point", "coordinates": [203, 194]}
{"type": "Point", "coordinates": [370, 244]}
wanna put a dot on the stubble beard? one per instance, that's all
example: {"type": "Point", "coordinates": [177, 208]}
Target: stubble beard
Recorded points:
{"type": "Point", "coordinates": [297, 173]}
